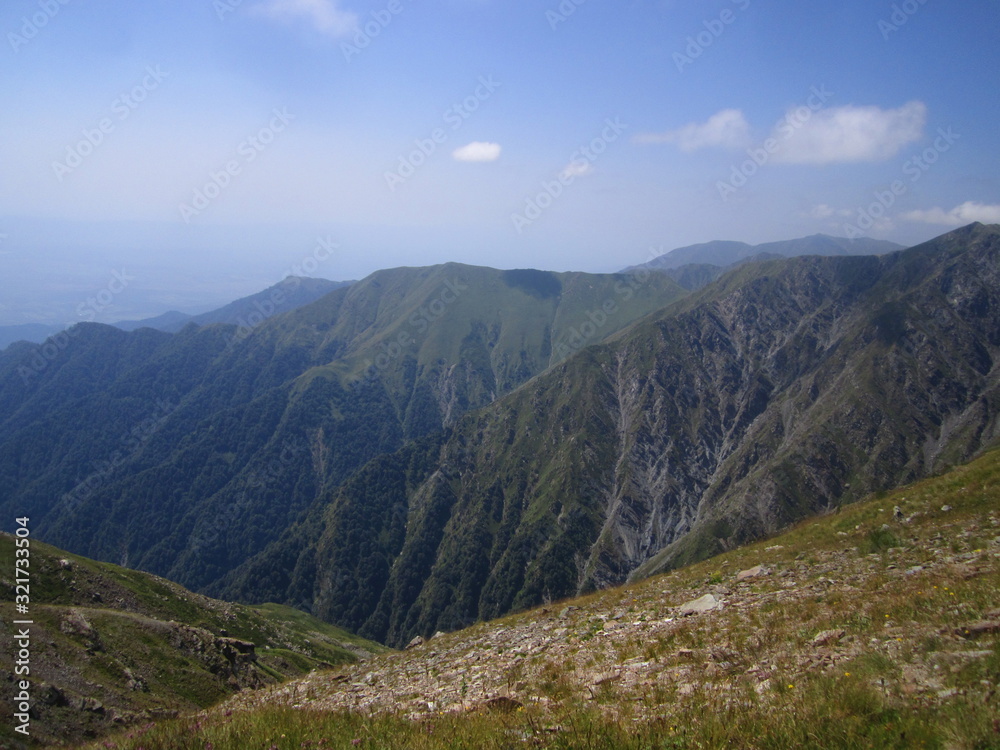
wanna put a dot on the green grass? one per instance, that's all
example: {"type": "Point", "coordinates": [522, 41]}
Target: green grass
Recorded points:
{"type": "Point", "coordinates": [894, 623]}
{"type": "Point", "coordinates": [152, 645]}
{"type": "Point", "coordinates": [822, 712]}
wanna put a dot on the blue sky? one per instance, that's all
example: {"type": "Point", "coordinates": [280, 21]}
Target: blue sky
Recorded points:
{"type": "Point", "coordinates": [208, 144]}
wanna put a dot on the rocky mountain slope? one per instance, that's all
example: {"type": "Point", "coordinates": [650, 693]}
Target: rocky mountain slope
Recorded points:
{"type": "Point", "coordinates": [784, 389]}
{"type": "Point", "coordinates": [873, 626]}
{"type": "Point", "coordinates": [186, 454]}
{"type": "Point", "coordinates": [112, 647]}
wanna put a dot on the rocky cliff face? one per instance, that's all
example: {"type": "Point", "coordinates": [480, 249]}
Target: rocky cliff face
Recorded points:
{"type": "Point", "coordinates": [786, 388]}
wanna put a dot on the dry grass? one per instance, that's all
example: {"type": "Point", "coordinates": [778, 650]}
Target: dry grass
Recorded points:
{"type": "Point", "coordinates": [903, 674]}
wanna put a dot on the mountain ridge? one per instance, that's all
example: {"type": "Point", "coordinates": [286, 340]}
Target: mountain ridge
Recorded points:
{"type": "Point", "coordinates": [403, 456]}
{"type": "Point", "coordinates": [230, 435]}
{"type": "Point", "coordinates": [725, 253]}
{"type": "Point", "coordinates": [763, 399]}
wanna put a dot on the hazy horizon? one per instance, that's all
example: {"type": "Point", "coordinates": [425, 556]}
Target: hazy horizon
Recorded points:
{"type": "Point", "coordinates": [205, 147]}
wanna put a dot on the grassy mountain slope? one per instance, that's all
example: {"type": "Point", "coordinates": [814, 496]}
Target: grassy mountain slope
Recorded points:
{"type": "Point", "coordinates": [726, 253]}
{"type": "Point", "coordinates": [113, 646]}
{"type": "Point", "coordinates": [785, 388]}
{"type": "Point", "coordinates": [866, 627]}
{"type": "Point", "coordinates": [186, 454]}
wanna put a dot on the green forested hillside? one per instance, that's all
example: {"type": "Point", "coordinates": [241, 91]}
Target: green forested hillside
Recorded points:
{"type": "Point", "coordinates": [186, 454]}
{"type": "Point", "coordinates": [430, 447]}
{"type": "Point", "coordinates": [785, 388]}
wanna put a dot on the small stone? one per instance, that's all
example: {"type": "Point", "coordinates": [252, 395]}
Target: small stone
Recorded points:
{"type": "Point", "coordinates": [696, 606]}
{"type": "Point", "coordinates": [945, 508]}
{"type": "Point", "coordinates": [827, 637]}
{"type": "Point", "coordinates": [610, 625]}
{"type": "Point", "coordinates": [418, 641]}
{"type": "Point", "coordinates": [503, 704]}
{"type": "Point", "coordinates": [757, 570]}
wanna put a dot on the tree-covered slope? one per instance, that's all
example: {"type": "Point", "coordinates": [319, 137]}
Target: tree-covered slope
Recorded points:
{"type": "Point", "coordinates": [186, 454]}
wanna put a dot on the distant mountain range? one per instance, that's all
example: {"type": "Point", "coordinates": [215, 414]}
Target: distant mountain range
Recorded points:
{"type": "Point", "coordinates": [723, 253]}
{"type": "Point", "coordinates": [432, 446]}
{"type": "Point", "coordinates": [706, 262]}
{"type": "Point", "coordinates": [286, 295]}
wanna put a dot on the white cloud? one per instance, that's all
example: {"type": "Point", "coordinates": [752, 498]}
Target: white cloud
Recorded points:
{"type": "Point", "coordinates": [325, 15]}
{"type": "Point", "coordinates": [967, 213]}
{"type": "Point", "coordinates": [576, 169]}
{"type": "Point", "coordinates": [477, 151]}
{"type": "Point", "coordinates": [823, 211]}
{"type": "Point", "coordinates": [728, 129]}
{"type": "Point", "coordinates": [848, 134]}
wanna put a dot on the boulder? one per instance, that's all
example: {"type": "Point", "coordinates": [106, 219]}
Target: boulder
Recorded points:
{"type": "Point", "coordinates": [696, 606]}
